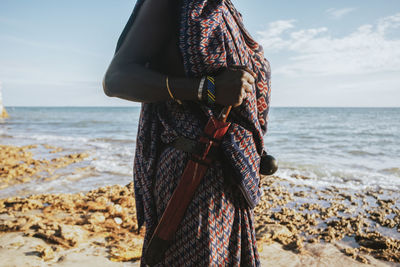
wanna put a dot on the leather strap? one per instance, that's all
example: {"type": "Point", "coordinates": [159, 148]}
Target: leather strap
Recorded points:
{"type": "Point", "coordinates": [195, 147]}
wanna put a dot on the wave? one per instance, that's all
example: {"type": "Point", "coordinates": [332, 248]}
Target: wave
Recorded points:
{"type": "Point", "coordinates": [363, 153]}
{"type": "Point", "coordinates": [321, 175]}
{"type": "Point", "coordinates": [47, 137]}
{"type": "Point", "coordinates": [113, 140]}
{"type": "Point", "coordinates": [395, 171]}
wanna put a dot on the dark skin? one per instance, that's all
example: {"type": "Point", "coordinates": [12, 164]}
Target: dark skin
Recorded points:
{"type": "Point", "coordinates": [139, 69]}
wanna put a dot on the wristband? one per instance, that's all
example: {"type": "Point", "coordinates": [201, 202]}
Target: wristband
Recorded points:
{"type": "Point", "coordinates": [201, 87]}
{"type": "Point", "coordinates": [209, 92]}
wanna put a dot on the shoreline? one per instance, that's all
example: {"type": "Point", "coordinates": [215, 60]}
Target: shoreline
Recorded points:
{"type": "Point", "coordinates": [295, 225]}
{"type": "Point", "coordinates": [66, 229]}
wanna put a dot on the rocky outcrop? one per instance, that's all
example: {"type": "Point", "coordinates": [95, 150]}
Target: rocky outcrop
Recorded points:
{"type": "Point", "coordinates": [296, 215]}
{"type": "Point", "coordinates": [105, 217]}
{"type": "Point", "coordinates": [18, 165]}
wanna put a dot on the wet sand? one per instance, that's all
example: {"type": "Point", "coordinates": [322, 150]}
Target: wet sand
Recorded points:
{"type": "Point", "coordinates": [296, 225]}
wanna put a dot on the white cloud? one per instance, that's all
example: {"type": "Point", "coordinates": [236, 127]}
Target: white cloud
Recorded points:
{"type": "Point", "coordinates": [389, 23]}
{"type": "Point", "coordinates": [278, 27]}
{"type": "Point", "coordinates": [338, 13]}
{"type": "Point", "coordinates": [316, 52]}
{"type": "Point", "coordinates": [273, 35]}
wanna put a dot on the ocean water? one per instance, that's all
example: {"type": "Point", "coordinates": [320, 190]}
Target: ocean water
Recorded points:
{"type": "Point", "coordinates": [353, 148]}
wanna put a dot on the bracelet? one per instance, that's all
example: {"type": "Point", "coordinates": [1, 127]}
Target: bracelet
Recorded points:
{"type": "Point", "coordinates": [170, 94]}
{"type": "Point", "coordinates": [209, 93]}
{"type": "Point", "coordinates": [201, 86]}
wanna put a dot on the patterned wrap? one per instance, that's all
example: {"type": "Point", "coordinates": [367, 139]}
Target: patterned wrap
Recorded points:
{"type": "Point", "coordinates": [213, 37]}
{"type": "Point", "coordinates": [218, 227]}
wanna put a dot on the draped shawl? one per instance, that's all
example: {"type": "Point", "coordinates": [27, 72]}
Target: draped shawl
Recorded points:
{"type": "Point", "coordinates": [211, 37]}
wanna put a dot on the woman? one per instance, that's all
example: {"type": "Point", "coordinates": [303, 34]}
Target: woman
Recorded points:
{"type": "Point", "coordinates": [167, 57]}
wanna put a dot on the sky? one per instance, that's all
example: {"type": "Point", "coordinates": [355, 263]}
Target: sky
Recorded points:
{"type": "Point", "coordinates": [322, 53]}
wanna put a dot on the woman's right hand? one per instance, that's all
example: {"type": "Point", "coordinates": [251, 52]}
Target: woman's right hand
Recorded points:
{"type": "Point", "coordinates": [233, 85]}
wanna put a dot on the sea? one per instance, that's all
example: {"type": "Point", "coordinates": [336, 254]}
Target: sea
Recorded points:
{"type": "Point", "coordinates": [352, 148]}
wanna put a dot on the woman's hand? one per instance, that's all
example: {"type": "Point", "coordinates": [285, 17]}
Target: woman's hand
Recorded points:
{"type": "Point", "coordinates": [233, 84]}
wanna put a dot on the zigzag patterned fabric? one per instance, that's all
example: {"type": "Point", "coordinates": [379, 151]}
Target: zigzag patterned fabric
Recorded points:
{"type": "Point", "coordinates": [213, 37]}
{"type": "Point", "coordinates": [218, 227]}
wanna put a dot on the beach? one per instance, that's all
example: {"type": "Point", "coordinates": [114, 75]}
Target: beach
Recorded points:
{"type": "Point", "coordinates": [66, 202]}
{"type": "Point", "coordinates": [299, 223]}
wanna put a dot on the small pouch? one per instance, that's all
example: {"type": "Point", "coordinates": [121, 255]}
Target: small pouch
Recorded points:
{"type": "Point", "coordinates": [268, 165]}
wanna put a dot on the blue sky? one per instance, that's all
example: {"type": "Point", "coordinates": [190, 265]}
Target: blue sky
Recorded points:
{"type": "Point", "coordinates": [322, 53]}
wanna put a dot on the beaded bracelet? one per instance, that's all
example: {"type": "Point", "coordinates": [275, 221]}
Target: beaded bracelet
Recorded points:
{"type": "Point", "coordinates": [209, 92]}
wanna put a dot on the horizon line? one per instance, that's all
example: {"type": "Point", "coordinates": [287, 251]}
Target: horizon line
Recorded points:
{"type": "Point", "coordinates": [139, 105]}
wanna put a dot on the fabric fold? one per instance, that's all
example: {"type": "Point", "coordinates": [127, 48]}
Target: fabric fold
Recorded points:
{"type": "Point", "coordinates": [218, 225]}
{"type": "Point", "coordinates": [213, 38]}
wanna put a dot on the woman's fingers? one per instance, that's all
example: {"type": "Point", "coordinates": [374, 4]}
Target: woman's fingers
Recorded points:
{"type": "Point", "coordinates": [246, 76]}
{"type": "Point", "coordinates": [248, 88]}
{"type": "Point", "coordinates": [245, 68]}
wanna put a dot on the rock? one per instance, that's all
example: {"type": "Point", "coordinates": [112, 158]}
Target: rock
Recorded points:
{"type": "Point", "coordinates": [372, 242]}
{"type": "Point", "coordinates": [73, 234]}
{"type": "Point", "coordinates": [45, 252]}
{"type": "Point", "coordinates": [94, 206]}
{"type": "Point", "coordinates": [67, 220]}
{"type": "Point", "coordinates": [118, 220]}
{"type": "Point", "coordinates": [96, 218]}
{"type": "Point", "coordinates": [30, 221]}
{"type": "Point", "coordinates": [17, 164]}
{"type": "Point", "coordinates": [277, 231]}
{"type": "Point", "coordinates": [120, 254]}
{"type": "Point", "coordinates": [6, 226]}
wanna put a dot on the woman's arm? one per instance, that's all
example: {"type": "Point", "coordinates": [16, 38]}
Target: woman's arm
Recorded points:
{"type": "Point", "coordinates": [128, 78]}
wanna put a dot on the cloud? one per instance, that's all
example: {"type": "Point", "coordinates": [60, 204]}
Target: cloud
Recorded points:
{"type": "Point", "coordinates": [338, 13]}
{"type": "Point", "coordinates": [273, 35]}
{"type": "Point", "coordinates": [389, 23]}
{"type": "Point", "coordinates": [315, 51]}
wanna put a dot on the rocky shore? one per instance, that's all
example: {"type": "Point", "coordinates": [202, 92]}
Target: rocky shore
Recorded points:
{"type": "Point", "coordinates": [17, 164]}
{"type": "Point", "coordinates": [105, 217]}
{"type": "Point", "coordinates": [294, 215]}
{"type": "Point", "coordinates": [296, 224]}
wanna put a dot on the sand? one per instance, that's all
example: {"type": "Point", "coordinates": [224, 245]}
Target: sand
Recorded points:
{"type": "Point", "coordinates": [19, 250]}
{"type": "Point", "coordinates": [296, 225]}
